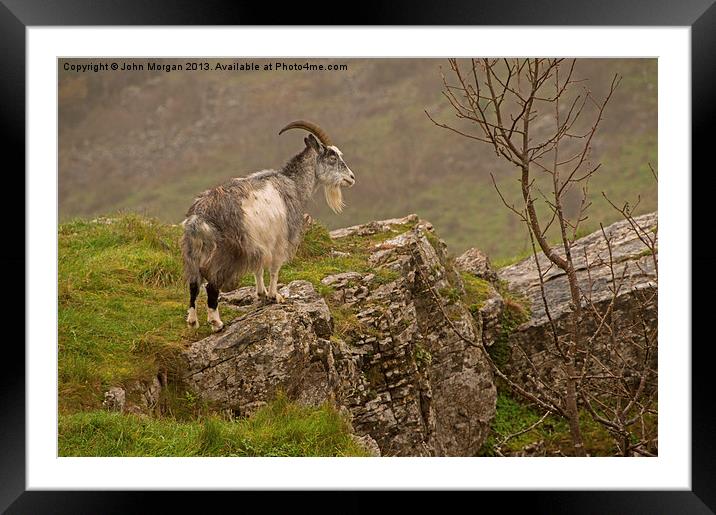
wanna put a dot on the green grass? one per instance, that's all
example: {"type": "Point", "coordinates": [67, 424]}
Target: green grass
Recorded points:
{"type": "Point", "coordinates": [121, 305]}
{"type": "Point", "coordinates": [477, 291]}
{"type": "Point", "coordinates": [513, 416]}
{"type": "Point", "coordinates": [122, 299]}
{"type": "Point", "coordinates": [512, 259]}
{"type": "Point", "coordinates": [121, 308]}
{"type": "Point", "coordinates": [281, 428]}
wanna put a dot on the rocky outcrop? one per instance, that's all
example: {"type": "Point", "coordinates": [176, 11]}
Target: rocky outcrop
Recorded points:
{"type": "Point", "coordinates": [140, 397]}
{"type": "Point", "coordinates": [272, 347]}
{"type": "Point", "coordinates": [377, 344]}
{"type": "Point", "coordinates": [377, 226]}
{"type": "Point", "coordinates": [635, 307]}
{"type": "Point", "coordinates": [476, 262]}
{"type": "Point", "coordinates": [491, 306]}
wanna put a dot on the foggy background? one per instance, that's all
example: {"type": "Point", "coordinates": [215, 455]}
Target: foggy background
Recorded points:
{"type": "Point", "coordinates": [149, 141]}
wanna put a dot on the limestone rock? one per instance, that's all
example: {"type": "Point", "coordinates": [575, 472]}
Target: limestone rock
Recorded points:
{"type": "Point", "coordinates": [143, 397]}
{"type": "Point", "coordinates": [273, 347]}
{"type": "Point", "coordinates": [140, 397]}
{"type": "Point", "coordinates": [373, 227]}
{"type": "Point", "coordinates": [398, 370]}
{"type": "Point", "coordinates": [370, 445]}
{"type": "Point", "coordinates": [491, 317]}
{"type": "Point", "coordinates": [476, 262]}
{"type": "Point", "coordinates": [428, 392]}
{"type": "Point", "coordinates": [636, 303]}
{"type": "Point", "coordinates": [114, 399]}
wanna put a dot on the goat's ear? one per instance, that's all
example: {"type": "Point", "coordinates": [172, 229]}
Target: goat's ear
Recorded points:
{"type": "Point", "coordinates": [312, 142]}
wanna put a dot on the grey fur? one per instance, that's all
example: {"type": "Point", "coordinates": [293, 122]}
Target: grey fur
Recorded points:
{"type": "Point", "coordinates": [217, 245]}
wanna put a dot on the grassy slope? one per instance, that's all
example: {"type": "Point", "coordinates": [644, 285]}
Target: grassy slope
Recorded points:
{"type": "Point", "coordinates": [121, 301]}
{"type": "Point", "coordinates": [121, 315]}
{"type": "Point", "coordinates": [403, 163]}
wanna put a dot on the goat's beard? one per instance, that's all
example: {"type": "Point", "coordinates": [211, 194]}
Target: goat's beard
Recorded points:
{"type": "Point", "coordinates": [334, 198]}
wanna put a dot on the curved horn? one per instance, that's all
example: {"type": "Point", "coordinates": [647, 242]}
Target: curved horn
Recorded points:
{"type": "Point", "coordinates": [310, 127]}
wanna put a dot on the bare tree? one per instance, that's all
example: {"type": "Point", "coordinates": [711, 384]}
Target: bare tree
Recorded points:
{"type": "Point", "coordinates": [537, 116]}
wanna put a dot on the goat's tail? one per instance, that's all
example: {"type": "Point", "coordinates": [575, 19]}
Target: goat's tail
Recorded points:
{"type": "Point", "coordinates": [197, 244]}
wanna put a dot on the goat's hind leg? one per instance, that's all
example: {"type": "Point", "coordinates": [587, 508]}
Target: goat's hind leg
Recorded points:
{"type": "Point", "coordinates": [191, 319]}
{"type": "Point", "coordinates": [212, 301]}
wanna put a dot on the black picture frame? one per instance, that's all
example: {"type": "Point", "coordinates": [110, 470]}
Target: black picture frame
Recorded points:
{"type": "Point", "coordinates": [17, 15]}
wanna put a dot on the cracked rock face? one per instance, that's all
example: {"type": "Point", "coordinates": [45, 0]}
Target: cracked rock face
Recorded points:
{"type": "Point", "coordinates": [476, 262]}
{"type": "Point", "coordinates": [407, 381]}
{"type": "Point", "coordinates": [272, 347]}
{"type": "Point", "coordinates": [635, 307]}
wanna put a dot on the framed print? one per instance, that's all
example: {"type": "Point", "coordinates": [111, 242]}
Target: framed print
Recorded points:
{"type": "Point", "coordinates": [422, 256]}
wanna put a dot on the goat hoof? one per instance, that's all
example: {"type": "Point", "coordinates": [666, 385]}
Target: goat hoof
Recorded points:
{"type": "Point", "coordinates": [191, 319]}
{"type": "Point", "coordinates": [217, 326]}
{"type": "Point", "coordinates": [278, 299]}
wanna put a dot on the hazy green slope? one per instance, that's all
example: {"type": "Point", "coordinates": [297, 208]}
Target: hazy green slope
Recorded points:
{"type": "Point", "coordinates": [150, 141]}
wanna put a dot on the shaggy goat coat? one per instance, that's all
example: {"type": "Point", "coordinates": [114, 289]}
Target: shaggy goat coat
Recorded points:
{"type": "Point", "coordinates": [248, 224]}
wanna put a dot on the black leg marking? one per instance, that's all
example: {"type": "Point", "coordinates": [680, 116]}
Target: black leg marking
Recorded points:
{"type": "Point", "coordinates": [193, 294]}
{"type": "Point", "coordinates": [212, 294]}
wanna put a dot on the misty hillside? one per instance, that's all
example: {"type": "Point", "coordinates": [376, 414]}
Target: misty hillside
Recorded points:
{"type": "Point", "coordinates": [149, 141]}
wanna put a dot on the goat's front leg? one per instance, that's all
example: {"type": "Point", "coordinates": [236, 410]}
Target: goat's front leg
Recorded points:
{"type": "Point", "coordinates": [273, 294]}
{"type": "Point", "coordinates": [261, 291]}
{"type": "Point", "coordinates": [212, 301]}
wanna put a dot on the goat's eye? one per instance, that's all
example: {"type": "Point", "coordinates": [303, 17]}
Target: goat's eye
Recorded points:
{"type": "Point", "coordinates": [332, 159]}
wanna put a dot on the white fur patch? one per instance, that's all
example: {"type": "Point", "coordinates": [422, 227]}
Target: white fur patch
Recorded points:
{"type": "Point", "coordinates": [203, 226]}
{"type": "Point", "coordinates": [259, 174]}
{"type": "Point", "coordinates": [191, 317]}
{"type": "Point", "coordinates": [265, 222]}
{"type": "Point", "coordinates": [336, 150]}
{"type": "Point", "coordinates": [334, 198]}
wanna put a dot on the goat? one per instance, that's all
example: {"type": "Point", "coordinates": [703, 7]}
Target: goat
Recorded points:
{"type": "Point", "coordinates": [256, 222]}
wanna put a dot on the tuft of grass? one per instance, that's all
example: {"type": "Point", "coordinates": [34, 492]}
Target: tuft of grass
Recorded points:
{"type": "Point", "coordinates": [316, 242]}
{"type": "Point", "coordinates": [345, 321]}
{"type": "Point", "coordinates": [646, 252]}
{"type": "Point", "coordinates": [282, 428]}
{"type": "Point", "coordinates": [504, 261]}
{"type": "Point", "coordinates": [450, 293]}
{"type": "Point", "coordinates": [434, 241]}
{"type": "Point", "coordinates": [477, 291]}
